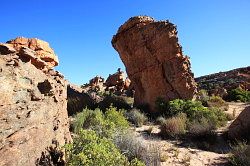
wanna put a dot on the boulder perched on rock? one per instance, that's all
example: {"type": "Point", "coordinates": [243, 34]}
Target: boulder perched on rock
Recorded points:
{"type": "Point", "coordinates": [154, 60]}
{"type": "Point", "coordinates": [33, 109]}
{"type": "Point", "coordinates": [240, 128]}
{"type": "Point", "coordinates": [97, 83]}
{"type": "Point", "coordinates": [38, 51]}
{"type": "Point", "coordinates": [116, 80]}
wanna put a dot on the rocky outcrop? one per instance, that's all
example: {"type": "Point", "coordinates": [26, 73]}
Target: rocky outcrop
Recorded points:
{"type": "Point", "coordinates": [33, 106]}
{"type": "Point", "coordinates": [37, 51]}
{"type": "Point", "coordinates": [240, 128]}
{"type": "Point", "coordinates": [222, 82]}
{"type": "Point", "coordinates": [118, 81]}
{"type": "Point", "coordinates": [78, 99]}
{"type": "Point", "coordinates": [154, 60]}
{"type": "Point", "coordinates": [97, 83]}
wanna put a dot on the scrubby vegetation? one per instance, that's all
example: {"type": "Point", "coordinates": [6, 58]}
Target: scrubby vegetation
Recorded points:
{"type": "Point", "coordinates": [199, 119]}
{"type": "Point", "coordinates": [238, 94]}
{"type": "Point", "coordinates": [132, 147]}
{"type": "Point", "coordinates": [120, 102]}
{"type": "Point", "coordinates": [136, 117]}
{"type": "Point", "coordinates": [91, 150]}
{"type": "Point", "coordinates": [240, 154]}
{"type": "Point", "coordinates": [96, 138]}
{"type": "Point", "coordinates": [174, 126]}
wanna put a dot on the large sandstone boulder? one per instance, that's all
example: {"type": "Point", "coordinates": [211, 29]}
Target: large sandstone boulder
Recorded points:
{"type": "Point", "coordinates": [154, 60]}
{"type": "Point", "coordinates": [33, 111]}
{"type": "Point", "coordinates": [240, 128]}
{"type": "Point", "coordinates": [38, 50]}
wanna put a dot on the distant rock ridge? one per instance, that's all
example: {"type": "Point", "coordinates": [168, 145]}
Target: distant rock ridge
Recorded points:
{"type": "Point", "coordinates": [154, 60]}
{"type": "Point", "coordinates": [221, 82]}
{"type": "Point", "coordinates": [37, 51]}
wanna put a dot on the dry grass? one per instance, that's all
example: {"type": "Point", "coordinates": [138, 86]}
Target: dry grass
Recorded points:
{"type": "Point", "coordinates": [132, 147]}
{"type": "Point", "coordinates": [136, 117]}
{"type": "Point", "coordinates": [175, 126]}
{"type": "Point", "coordinates": [240, 154]}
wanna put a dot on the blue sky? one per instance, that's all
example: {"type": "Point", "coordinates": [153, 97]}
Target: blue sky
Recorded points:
{"type": "Point", "coordinates": [214, 33]}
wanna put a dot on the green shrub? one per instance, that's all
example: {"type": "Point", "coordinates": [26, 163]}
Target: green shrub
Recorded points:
{"type": "Point", "coordinates": [117, 117]}
{"type": "Point", "coordinates": [105, 125]}
{"type": "Point", "coordinates": [199, 120]}
{"type": "Point", "coordinates": [240, 155]}
{"type": "Point", "coordinates": [136, 117]}
{"type": "Point", "coordinates": [238, 94]}
{"type": "Point", "coordinates": [91, 150]}
{"type": "Point", "coordinates": [217, 101]}
{"type": "Point", "coordinates": [89, 119]}
{"type": "Point", "coordinates": [196, 111]}
{"type": "Point", "coordinates": [174, 126]}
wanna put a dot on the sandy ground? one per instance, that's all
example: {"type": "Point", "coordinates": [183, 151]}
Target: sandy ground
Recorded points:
{"type": "Point", "coordinates": [172, 154]}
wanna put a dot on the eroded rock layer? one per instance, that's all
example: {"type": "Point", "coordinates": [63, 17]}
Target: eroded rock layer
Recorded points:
{"type": "Point", "coordinates": [33, 111]}
{"type": "Point", "coordinates": [154, 60]}
{"type": "Point", "coordinates": [38, 51]}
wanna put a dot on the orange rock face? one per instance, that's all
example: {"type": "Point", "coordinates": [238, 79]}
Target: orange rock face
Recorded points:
{"type": "Point", "coordinates": [154, 60]}
{"type": "Point", "coordinates": [42, 50]}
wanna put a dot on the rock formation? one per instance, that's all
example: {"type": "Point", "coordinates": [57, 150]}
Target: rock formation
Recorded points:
{"type": "Point", "coordinates": [154, 60]}
{"type": "Point", "coordinates": [222, 82]}
{"type": "Point", "coordinates": [37, 51]}
{"type": "Point", "coordinates": [97, 83]}
{"type": "Point", "coordinates": [33, 104]}
{"type": "Point", "coordinates": [78, 100]}
{"type": "Point", "coordinates": [117, 81]}
{"type": "Point", "coordinates": [240, 128]}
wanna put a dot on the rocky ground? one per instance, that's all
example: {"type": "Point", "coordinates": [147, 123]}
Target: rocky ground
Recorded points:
{"type": "Point", "coordinates": [175, 153]}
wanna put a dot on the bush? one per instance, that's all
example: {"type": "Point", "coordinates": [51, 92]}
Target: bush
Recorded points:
{"type": "Point", "coordinates": [175, 126]}
{"type": "Point", "coordinates": [217, 101]}
{"type": "Point", "coordinates": [196, 111]}
{"type": "Point", "coordinates": [91, 150]}
{"type": "Point", "coordinates": [160, 120]}
{"type": "Point", "coordinates": [105, 125]}
{"type": "Point", "coordinates": [238, 94]}
{"type": "Point", "coordinates": [201, 128]}
{"type": "Point", "coordinates": [240, 155]}
{"type": "Point", "coordinates": [199, 120]}
{"type": "Point", "coordinates": [133, 148]}
{"type": "Point", "coordinates": [88, 119]}
{"type": "Point", "coordinates": [136, 117]}
{"type": "Point", "coordinates": [120, 102]}
{"type": "Point", "coordinates": [203, 96]}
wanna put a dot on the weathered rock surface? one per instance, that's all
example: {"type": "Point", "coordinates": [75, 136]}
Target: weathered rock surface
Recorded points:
{"type": "Point", "coordinates": [154, 60]}
{"type": "Point", "coordinates": [33, 110]}
{"type": "Point", "coordinates": [97, 83]}
{"type": "Point", "coordinates": [40, 51]}
{"type": "Point", "coordinates": [240, 128]}
{"type": "Point", "coordinates": [78, 100]}
{"type": "Point", "coordinates": [222, 82]}
{"type": "Point", "coordinates": [118, 81]}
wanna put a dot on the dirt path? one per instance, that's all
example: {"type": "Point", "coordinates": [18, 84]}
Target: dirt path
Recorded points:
{"type": "Point", "coordinates": [173, 154]}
